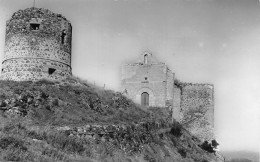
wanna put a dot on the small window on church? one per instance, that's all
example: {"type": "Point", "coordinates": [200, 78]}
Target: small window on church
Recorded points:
{"type": "Point", "coordinates": [145, 59]}
{"type": "Point", "coordinates": [63, 36]}
{"type": "Point", "coordinates": [145, 78]}
{"type": "Point", "coordinates": [34, 26]}
{"type": "Point", "coordinates": [2, 70]}
{"type": "Point", "coordinates": [51, 70]}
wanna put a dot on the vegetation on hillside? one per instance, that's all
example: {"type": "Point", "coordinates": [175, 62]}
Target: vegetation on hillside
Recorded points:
{"type": "Point", "coordinates": [67, 102]}
{"type": "Point", "coordinates": [37, 120]}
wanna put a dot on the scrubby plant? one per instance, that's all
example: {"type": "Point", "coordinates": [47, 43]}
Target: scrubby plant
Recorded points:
{"type": "Point", "coordinates": [5, 142]}
{"type": "Point", "coordinates": [182, 152]}
{"type": "Point", "coordinates": [176, 129]}
{"type": "Point", "coordinates": [214, 143]}
{"type": "Point", "coordinates": [207, 147]}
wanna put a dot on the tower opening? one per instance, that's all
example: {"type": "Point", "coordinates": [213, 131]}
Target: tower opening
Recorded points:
{"type": "Point", "coordinates": [51, 70]}
{"type": "Point", "coordinates": [63, 36]}
{"type": "Point", "coordinates": [34, 26]}
{"type": "Point", "coordinates": [145, 59]}
{"type": "Point", "coordinates": [145, 99]}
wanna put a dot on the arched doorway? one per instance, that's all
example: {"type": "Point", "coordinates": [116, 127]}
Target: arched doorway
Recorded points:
{"type": "Point", "coordinates": [145, 99]}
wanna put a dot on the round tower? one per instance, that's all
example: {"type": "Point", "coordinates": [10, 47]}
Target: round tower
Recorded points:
{"type": "Point", "coordinates": [37, 45]}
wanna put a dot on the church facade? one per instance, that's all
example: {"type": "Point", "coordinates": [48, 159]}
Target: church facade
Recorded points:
{"type": "Point", "coordinates": [148, 82]}
{"type": "Point", "coordinates": [151, 83]}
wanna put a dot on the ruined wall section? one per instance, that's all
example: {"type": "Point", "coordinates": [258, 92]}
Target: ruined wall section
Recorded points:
{"type": "Point", "coordinates": [151, 78]}
{"type": "Point", "coordinates": [176, 103]}
{"type": "Point", "coordinates": [169, 87]}
{"type": "Point", "coordinates": [37, 40]}
{"type": "Point", "coordinates": [197, 109]}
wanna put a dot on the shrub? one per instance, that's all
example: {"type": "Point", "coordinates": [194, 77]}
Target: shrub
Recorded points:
{"type": "Point", "coordinates": [13, 149]}
{"type": "Point", "coordinates": [176, 130]}
{"type": "Point", "coordinates": [214, 143]}
{"type": "Point", "coordinates": [182, 152]}
{"type": "Point", "coordinates": [11, 141]}
{"type": "Point", "coordinates": [66, 143]}
{"type": "Point", "coordinates": [12, 155]}
{"type": "Point", "coordinates": [44, 81]}
{"type": "Point", "coordinates": [54, 154]}
{"type": "Point", "coordinates": [35, 135]}
{"type": "Point", "coordinates": [207, 147]}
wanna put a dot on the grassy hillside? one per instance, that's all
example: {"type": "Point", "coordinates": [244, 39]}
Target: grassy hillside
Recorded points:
{"type": "Point", "coordinates": [66, 103]}
{"type": "Point", "coordinates": [71, 120]}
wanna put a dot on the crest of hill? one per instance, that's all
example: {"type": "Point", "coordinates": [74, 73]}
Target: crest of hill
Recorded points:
{"type": "Point", "coordinates": [67, 102]}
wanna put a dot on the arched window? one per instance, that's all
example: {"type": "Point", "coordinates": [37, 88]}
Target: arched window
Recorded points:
{"type": "Point", "coordinates": [145, 59]}
{"type": "Point", "coordinates": [63, 36]}
{"type": "Point", "coordinates": [145, 99]}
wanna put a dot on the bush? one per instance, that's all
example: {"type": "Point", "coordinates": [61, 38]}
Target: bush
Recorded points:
{"type": "Point", "coordinates": [13, 149]}
{"type": "Point", "coordinates": [214, 143]}
{"type": "Point", "coordinates": [44, 81]}
{"type": "Point", "coordinates": [54, 154]}
{"type": "Point", "coordinates": [176, 130]}
{"type": "Point", "coordinates": [11, 141]}
{"type": "Point", "coordinates": [182, 152]}
{"type": "Point", "coordinates": [66, 143]}
{"type": "Point", "coordinates": [207, 147]}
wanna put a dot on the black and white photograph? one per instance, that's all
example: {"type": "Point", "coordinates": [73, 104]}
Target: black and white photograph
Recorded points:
{"type": "Point", "coordinates": [130, 80]}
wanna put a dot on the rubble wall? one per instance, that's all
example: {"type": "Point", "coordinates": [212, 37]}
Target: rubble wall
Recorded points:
{"type": "Point", "coordinates": [33, 68]}
{"type": "Point", "coordinates": [36, 41]}
{"type": "Point", "coordinates": [176, 103]}
{"type": "Point", "coordinates": [197, 110]}
{"type": "Point", "coordinates": [169, 88]}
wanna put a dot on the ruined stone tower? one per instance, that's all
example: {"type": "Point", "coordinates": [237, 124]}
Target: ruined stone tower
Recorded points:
{"type": "Point", "coordinates": [37, 45]}
{"type": "Point", "coordinates": [151, 83]}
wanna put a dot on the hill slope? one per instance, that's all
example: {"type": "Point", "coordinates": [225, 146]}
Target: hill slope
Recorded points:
{"type": "Point", "coordinates": [74, 121]}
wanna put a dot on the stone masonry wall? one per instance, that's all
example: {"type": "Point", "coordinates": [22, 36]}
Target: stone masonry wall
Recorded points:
{"type": "Point", "coordinates": [197, 110]}
{"type": "Point", "coordinates": [155, 85]}
{"type": "Point", "coordinates": [169, 88]}
{"type": "Point", "coordinates": [36, 40]}
{"type": "Point", "coordinates": [20, 46]}
{"type": "Point", "coordinates": [151, 76]}
{"type": "Point", "coordinates": [33, 69]}
{"type": "Point", "coordinates": [176, 103]}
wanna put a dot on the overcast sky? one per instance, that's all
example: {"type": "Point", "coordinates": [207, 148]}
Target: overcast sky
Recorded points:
{"type": "Point", "coordinates": [202, 41]}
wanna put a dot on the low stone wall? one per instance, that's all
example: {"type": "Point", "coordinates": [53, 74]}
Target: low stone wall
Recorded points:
{"type": "Point", "coordinates": [109, 132]}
